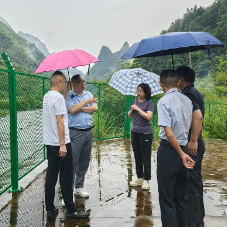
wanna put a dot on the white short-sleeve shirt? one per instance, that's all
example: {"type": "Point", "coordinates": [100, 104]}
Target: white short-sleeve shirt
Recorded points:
{"type": "Point", "coordinates": [54, 104]}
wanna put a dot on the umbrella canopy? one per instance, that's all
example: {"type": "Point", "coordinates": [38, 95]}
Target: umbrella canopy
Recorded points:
{"type": "Point", "coordinates": [172, 43]}
{"type": "Point", "coordinates": [64, 60]}
{"type": "Point", "coordinates": [127, 80]}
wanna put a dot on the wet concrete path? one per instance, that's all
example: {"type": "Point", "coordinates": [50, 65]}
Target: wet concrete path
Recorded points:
{"type": "Point", "coordinates": [112, 201]}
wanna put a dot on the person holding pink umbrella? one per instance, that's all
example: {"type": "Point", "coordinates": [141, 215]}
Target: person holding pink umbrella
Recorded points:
{"type": "Point", "coordinates": [80, 105]}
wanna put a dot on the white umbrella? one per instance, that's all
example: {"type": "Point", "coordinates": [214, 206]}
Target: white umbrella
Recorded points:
{"type": "Point", "coordinates": [127, 80]}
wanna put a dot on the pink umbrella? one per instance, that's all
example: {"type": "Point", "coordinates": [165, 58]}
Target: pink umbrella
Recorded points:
{"type": "Point", "coordinates": [65, 59]}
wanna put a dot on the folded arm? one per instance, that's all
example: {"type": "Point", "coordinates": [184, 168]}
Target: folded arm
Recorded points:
{"type": "Point", "coordinates": [78, 107]}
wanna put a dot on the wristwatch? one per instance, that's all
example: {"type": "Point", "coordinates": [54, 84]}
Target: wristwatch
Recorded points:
{"type": "Point", "coordinates": [82, 110]}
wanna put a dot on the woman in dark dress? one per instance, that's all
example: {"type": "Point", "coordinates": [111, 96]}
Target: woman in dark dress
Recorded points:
{"type": "Point", "coordinates": [141, 112]}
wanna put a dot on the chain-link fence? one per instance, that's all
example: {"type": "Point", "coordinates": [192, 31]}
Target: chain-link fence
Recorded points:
{"type": "Point", "coordinates": [110, 121]}
{"type": "Point", "coordinates": [5, 165]}
{"type": "Point", "coordinates": [29, 95]}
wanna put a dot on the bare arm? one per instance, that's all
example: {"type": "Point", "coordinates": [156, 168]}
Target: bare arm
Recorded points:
{"type": "Point", "coordinates": [196, 128]}
{"type": "Point", "coordinates": [147, 115]}
{"type": "Point", "coordinates": [90, 109]}
{"type": "Point", "coordinates": [130, 113]}
{"type": "Point", "coordinates": [61, 135]}
{"type": "Point", "coordinates": [78, 107]}
{"type": "Point", "coordinates": [69, 85]}
{"type": "Point", "coordinates": [186, 160]}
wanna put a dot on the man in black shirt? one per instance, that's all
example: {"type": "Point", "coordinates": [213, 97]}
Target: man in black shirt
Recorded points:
{"type": "Point", "coordinates": [196, 148]}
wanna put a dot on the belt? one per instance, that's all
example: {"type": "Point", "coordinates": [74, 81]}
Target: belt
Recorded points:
{"type": "Point", "coordinates": [81, 129]}
{"type": "Point", "coordinates": [165, 142]}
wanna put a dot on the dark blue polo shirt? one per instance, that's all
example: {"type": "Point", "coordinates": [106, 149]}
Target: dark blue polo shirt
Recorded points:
{"type": "Point", "coordinates": [197, 99]}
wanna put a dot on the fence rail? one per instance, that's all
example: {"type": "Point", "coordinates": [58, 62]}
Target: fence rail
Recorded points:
{"type": "Point", "coordinates": [21, 145]}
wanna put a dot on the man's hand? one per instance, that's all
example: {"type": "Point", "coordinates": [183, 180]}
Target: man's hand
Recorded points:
{"type": "Point", "coordinates": [187, 161]}
{"type": "Point", "coordinates": [92, 100]}
{"type": "Point", "coordinates": [192, 148]}
{"type": "Point", "coordinates": [69, 85]}
{"type": "Point", "coordinates": [62, 151]}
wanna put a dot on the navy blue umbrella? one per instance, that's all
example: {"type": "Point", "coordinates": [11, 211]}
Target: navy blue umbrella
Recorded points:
{"type": "Point", "coordinates": [172, 43]}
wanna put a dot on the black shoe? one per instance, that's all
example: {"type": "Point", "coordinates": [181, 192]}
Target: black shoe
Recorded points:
{"type": "Point", "coordinates": [78, 214]}
{"type": "Point", "coordinates": [51, 214]}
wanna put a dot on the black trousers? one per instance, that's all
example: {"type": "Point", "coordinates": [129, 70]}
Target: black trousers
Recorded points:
{"type": "Point", "coordinates": [64, 165]}
{"type": "Point", "coordinates": [173, 180]}
{"type": "Point", "coordinates": [196, 211]}
{"type": "Point", "coordinates": [141, 145]}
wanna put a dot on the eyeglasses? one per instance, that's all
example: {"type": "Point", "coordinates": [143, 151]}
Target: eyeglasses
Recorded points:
{"type": "Point", "coordinates": [79, 82]}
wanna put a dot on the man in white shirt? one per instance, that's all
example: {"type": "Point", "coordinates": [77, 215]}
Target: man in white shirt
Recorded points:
{"type": "Point", "coordinates": [59, 151]}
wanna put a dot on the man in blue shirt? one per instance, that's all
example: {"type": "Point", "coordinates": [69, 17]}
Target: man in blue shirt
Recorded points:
{"type": "Point", "coordinates": [80, 105]}
{"type": "Point", "coordinates": [173, 161]}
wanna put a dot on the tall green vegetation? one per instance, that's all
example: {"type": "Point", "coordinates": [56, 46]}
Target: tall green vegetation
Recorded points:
{"type": "Point", "coordinates": [213, 20]}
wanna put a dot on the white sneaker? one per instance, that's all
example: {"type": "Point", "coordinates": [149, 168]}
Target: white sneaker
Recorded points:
{"type": "Point", "coordinates": [81, 192]}
{"type": "Point", "coordinates": [137, 182]}
{"type": "Point", "coordinates": [63, 202]}
{"type": "Point", "coordinates": [146, 184]}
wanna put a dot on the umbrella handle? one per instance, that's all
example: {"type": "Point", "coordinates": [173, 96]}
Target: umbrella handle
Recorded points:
{"type": "Point", "coordinates": [208, 50]}
{"type": "Point", "coordinates": [173, 61]}
{"type": "Point", "coordinates": [68, 73]}
{"type": "Point", "coordinates": [88, 69]}
{"type": "Point", "coordinates": [69, 78]}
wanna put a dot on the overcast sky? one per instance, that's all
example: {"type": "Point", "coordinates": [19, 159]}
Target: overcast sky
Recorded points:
{"type": "Point", "coordinates": [90, 24]}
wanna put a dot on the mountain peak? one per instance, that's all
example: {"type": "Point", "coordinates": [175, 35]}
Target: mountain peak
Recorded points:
{"type": "Point", "coordinates": [125, 45]}
{"type": "Point", "coordinates": [41, 46]}
{"type": "Point", "coordinates": [5, 23]}
{"type": "Point", "coordinates": [110, 62]}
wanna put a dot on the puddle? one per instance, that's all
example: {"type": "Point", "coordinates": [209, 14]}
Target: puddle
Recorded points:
{"type": "Point", "coordinates": [112, 201]}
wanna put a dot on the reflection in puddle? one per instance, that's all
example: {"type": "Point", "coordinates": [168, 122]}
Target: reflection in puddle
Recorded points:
{"type": "Point", "coordinates": [112, 201]}
{"type": "Point", "coordinates": [214, 171]}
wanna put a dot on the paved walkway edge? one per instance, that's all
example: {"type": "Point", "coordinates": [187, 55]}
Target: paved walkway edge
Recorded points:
{"type": "Point", "coordinates": [24, 182]}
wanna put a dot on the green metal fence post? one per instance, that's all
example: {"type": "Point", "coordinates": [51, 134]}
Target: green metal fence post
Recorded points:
{"type": "Point", "coordinates": [98, 113]}
{"type": "Point", "coordinates": [127, 120]}
{"type": "Point", "coordinates": [44, 147]}
{"type": "Point", "coordinates": [13, 123]}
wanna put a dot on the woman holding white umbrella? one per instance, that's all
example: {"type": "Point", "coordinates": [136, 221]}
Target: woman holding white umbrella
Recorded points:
{"type": "Point", "coordinates": [141, 112]}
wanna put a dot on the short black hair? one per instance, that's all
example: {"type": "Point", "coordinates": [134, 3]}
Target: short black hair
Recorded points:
{"type": "Point", "coordinates": [55, 77]}
{"type": "Point", "coordinates": [58, 73]}
{"type": "Point", "coordinates": [147, 90]}
{"type": "Point", "coordinates": [75, 77]}
{"type": "Point", "coordinates": [187, 73]}
{"type": "Point", "coordinates": [169, 78]}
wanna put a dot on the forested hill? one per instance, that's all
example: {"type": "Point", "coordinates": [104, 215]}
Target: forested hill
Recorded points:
{"type": "Point", "coordinates": [24, 55]}
{"type": "Point", "coordinates": [212, 19]}
{"type": "Point", "coordinates": [109, 62]}
{"type": "Point", "coordinates": [41, 46]}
